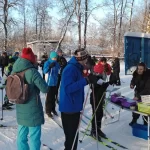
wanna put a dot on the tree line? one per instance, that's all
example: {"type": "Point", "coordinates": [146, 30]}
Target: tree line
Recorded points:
{"type": "Point", "coordinates": [23, 21]}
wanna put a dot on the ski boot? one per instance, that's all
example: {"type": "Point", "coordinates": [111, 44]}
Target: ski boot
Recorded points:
{"type": "Point", "coordinates": [132, 122]}
{"type": "Point", "coordinates": [50, 115]}
{"type": "Point", "coordinates": [6, 100]}
{"type": "Point", "coordinates": [55, 113]}
{"type": "Point", "coordinates": [101, 134]}
{"type": "Point", "coordinates": [93, 134]}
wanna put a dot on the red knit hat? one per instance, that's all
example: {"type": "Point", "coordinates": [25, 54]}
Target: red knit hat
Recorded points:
{"type": "Point", "coordinates": [28, 54]}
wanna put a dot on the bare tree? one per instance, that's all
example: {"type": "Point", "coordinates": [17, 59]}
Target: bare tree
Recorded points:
{"type": "Point", "coordinates": [122, 11]}
{"type": "Point", "coordinates": [145, 20]}
{"type": "Point", "coordinates": [131, 13]}
{"type": "Point", "coordinates": [5, 6]}
{"type": "Point", "coordinates": [23, 12]}
{"type": "Point", "coordinates": [65, 30]}
{"type": "Point", "coordinates": [85, 23]}
{"type": "Point", "coordinates": [40, 16]}
{"type": "Point", "coordinates": [77, 4]}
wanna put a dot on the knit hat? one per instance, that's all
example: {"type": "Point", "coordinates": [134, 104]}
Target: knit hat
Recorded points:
{"type": "Point", "coordinates": [16, 53]}
{"type": "Point", "coordinates": [28, 54]}
{"type": "Point", "coordinates": [59, 51]}
{"type": "Point", "coordinates": [81, 54]}
{"type": "Point", "coordinates": [53, 54]}
{"type": "Point", "coordinates": [103, 59]}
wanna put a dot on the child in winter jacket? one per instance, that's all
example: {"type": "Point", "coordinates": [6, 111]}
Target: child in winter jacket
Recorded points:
{"type": "Point", "coordinates": [44, 59]}
{"type": "Point", "coordinates": [51, 67]}
{"type": "Point", "coordinates": [102, 68]}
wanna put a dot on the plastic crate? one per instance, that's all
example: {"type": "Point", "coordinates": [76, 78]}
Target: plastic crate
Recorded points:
{"type": "Point", "coordinates": [140, 131]}
{"type": "Point", "coordinates": [145, 108]}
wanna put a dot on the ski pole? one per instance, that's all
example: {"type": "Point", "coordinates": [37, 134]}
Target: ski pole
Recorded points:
{"type": "Point", "coordinates": [80, 118]}
{"type": "Point", "coordinates": [95, 115]}
{"type": "Point", "coordinates": [92, 118]}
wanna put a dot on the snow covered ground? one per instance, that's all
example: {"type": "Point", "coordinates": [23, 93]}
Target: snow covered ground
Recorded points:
{"type": "Point", "coordinates": [53, 135]}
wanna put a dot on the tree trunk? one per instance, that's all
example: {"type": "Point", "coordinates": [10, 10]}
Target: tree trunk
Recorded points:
{"type": "Point", "coordinates": [115, 22]}
{"type": "Point", "coordinates": [131, 15]}
{"type": "Point", "coordinates": [40, 32]}
{"type": "Point", "coordinates": [24, 11]}
{"type": "Point", "coordinates": [148, 20]}
{"type": "Point", "coordinates": [120, 27]}
{"type": "Point", "coordinates": [36, 25]}
{"type": "Point", "coordinates": [65, 30]}
{"type": "Point", "coordinates": [85, 24]}
{"type": "Point", "coordinates": [5, 24]}
{"type": "Point", "coordinates": [145, 16]}
{"type": "Point", "coordinates": [79, 24]}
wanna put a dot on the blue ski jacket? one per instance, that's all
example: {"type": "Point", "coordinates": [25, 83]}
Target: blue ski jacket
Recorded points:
{"type": "Point", "coordinates": [72, 87]}
{"type": "Point", "coordinates": [52, 72]}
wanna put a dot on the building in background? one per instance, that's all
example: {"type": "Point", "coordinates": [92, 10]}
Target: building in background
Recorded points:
{"type": "Point", "coordinates": [41, 47]}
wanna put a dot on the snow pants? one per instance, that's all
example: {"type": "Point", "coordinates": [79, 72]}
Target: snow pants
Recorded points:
{"type": "Point", "coordinates": [98, 93]}
{"type": "Point", "coordinates": [50, 100]}
{"type": "Point", "coordinates": [34, 138]}
{"type": "Point", "coordinates": [70, 124]}
{"type": "Point", "coordinates": [58, 84]}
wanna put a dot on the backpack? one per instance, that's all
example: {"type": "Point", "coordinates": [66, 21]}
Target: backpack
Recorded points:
{"type": "Point", "coordinates": [16, 88]}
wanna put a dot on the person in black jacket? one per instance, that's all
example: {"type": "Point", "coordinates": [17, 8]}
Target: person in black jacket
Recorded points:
{"type": "Point", "coordinates": [141, 85]}
{"type": "Point", "coordinates": [44, 59]}
{"type": "Point", "coordinates": [4, 61]}
{"type": "Point", "coordinates": [98, 97]}
{"type": "Point", "coordinates": [116, 71]}
{"type": "Point", "coordinates": [62, 62]}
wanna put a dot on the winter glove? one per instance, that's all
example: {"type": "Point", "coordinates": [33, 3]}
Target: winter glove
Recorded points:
{"type": "Point", "coordinates": [110, 88]}
{"type": "Point", "coordinates": [92, 79]}
{"type": "Point", "coordinates": [52, 65]}
{"type": "Point", "coordinates": [100, 81]}
{"type": "Point", "coordinates": [112, 82]}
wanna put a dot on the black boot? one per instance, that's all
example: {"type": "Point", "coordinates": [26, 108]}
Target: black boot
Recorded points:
{"type": "Point", "coordinates": [93, 134]}
{"type": "Point", "coordinates": [50, 115]}
{"type": "Point", "coordinates": [132, 122]}
{"type": "Point", "coordinates": [118, 83]}
{"type": "Point", "coordinates": [101, 134]}
{"type": "Point", "coordinates": [55, 112]}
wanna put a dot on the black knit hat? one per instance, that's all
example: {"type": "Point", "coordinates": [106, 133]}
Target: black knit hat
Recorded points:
{"type": "Point", "coordinates": [59, 51]}
{"type": "Point", "coordinates": [81, 54]}
{"type": "Point", "coordinates": [103, 59]}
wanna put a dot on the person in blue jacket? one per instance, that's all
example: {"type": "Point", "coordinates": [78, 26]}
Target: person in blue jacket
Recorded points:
{"type": "Point", "coordinates": [16, 56]}
{"type": "Point", "coordinates": [51, 67]}
{"type": "Point", "coordinates": [72, 95]}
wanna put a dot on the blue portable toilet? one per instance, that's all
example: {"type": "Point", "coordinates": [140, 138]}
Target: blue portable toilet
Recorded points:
{"type": "Point", "coordinates": [137, 49]}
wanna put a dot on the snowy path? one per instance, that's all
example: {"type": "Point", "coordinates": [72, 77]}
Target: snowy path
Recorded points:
{"type": "Point", "coordinates": [53, 136]}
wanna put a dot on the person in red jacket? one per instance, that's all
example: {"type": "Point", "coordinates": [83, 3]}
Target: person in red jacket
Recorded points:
{"type": "Point", "coordinates": [102, 68]}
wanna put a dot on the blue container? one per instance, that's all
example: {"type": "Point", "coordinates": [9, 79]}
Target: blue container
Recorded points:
{"type": "Point", "coordinates": [140, 131]}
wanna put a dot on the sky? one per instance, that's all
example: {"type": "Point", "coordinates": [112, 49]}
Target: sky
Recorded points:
{"type": "Point", "coordinates": [99, 13]}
